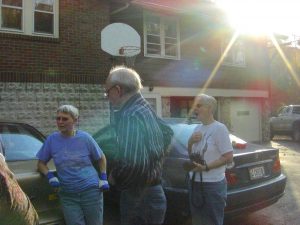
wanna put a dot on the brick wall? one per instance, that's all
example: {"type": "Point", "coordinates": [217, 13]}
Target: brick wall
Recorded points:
{"type": "Point", "coordinates": [36, 104]}
{"type": "Point", "coordinates": [37, 74]}
{"type": "Point", "coordinates": [77, 51]}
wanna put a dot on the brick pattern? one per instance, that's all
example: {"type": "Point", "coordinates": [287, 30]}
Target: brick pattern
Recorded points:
{"type": "Point", "coordinates": [36, 104]}
{"type": "Point", "coordinates": [76, 52]}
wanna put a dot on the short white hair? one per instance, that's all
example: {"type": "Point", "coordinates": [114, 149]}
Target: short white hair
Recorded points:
{"type": "Point", "coordinates": [69, 109]}
{"type": "Point", "coordinates": [209, 101]}
{"type": "Point", "coordinates": [126, 77]}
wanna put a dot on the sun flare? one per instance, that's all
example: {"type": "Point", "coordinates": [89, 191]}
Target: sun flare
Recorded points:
{"type": "Point", "coordinates": [263, 16]}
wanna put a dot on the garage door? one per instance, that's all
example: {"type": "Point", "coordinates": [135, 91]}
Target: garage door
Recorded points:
{"type": "Point", "coordinates": [245, 119]}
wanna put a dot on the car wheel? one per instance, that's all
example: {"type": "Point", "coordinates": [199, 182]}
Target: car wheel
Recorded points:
{"type": "Point", "coordinates": [296, 134]}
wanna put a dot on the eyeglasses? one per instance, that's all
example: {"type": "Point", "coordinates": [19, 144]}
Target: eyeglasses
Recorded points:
{"type": "Point", "coordinates": [64, 119]}
{"type": "Point", "coordinates": [106, 93]}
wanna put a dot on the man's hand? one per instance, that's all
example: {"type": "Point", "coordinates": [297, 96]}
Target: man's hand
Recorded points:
{"type": "Point", "coordinates": [103, 183]}
{"type": "Point", "coordinates": [53, 181]}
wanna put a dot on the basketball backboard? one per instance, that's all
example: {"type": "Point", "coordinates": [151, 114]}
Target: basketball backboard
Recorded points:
{"type": "Point", "coordinates": [116, 36]}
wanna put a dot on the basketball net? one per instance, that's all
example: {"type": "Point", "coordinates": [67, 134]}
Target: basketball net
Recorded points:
{"type": "Point", "coordinates": [129, 53]}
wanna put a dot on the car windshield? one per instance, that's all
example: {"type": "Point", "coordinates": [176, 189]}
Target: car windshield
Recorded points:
{"type": "Point", "coordinates": [19, 142]}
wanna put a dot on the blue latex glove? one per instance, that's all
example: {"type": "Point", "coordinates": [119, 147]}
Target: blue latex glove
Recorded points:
{"type": "Point", "coordinates": [53, 181]}
{"type": "Point", "coordinates": [103, 183]}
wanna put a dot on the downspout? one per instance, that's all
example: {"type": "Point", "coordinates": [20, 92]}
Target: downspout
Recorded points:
{"type": "Point", "coordinates": [120, 9]}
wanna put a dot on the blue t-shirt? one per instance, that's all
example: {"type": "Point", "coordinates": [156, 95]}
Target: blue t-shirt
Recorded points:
{"type": "Point", "coordinates": [73, 158]}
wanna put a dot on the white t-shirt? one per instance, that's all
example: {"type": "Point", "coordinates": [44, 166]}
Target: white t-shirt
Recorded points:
{"type": "Point", "coordinates": [214, 143]}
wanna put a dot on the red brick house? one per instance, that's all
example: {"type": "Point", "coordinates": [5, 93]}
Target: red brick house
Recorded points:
{"type": "Point", "coordinates": [50, 54]}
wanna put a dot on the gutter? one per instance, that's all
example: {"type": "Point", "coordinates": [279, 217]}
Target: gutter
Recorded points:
{"type": "Point", "coordinates": [127, 4]}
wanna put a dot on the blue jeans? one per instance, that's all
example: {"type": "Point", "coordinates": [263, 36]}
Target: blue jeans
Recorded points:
{"type": "Point", "coordinates": [143, 206]}
{"type": "Point", "coordinates": [83, 208]}
{"type": "Point", "coordinates": [207, 203]}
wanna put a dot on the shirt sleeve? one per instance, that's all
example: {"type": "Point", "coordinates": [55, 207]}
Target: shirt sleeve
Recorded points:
{"type": "Point", "coordinates": [44, 154]}
{"type": "Point", "coordinates": [223, 140]}
{"type": "Point", "coordinates": [94, 148]}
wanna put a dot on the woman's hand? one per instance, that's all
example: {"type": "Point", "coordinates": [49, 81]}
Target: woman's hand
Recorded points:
{"type": "Point", "coordinates": [196, 137]}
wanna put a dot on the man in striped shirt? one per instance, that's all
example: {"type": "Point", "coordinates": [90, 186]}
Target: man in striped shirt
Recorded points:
{"type": "Point", "coordinates": [140, 140]}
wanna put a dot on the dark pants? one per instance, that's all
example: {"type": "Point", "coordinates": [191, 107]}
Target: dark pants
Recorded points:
{"type": "Point", "coordinates": [146, 206]}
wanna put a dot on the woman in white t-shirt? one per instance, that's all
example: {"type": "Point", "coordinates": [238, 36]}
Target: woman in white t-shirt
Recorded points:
{"type": "Point", "coordinates": [210, 149]}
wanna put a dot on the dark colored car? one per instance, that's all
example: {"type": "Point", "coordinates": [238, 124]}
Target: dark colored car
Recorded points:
{"type": "Point", "coordinates": [254, 178]}
{"type": "Point", "coordinates": [21, 143]}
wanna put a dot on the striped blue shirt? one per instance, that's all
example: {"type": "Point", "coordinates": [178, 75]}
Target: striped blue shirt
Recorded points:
{"type": "Point", "coordinates": [140, 144]}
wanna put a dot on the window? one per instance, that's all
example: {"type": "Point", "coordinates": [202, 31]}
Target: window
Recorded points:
{"type": "Point", "coordinates": [29, 17]}
{"type": "Point", "coordinates": [181, 107]}
{"type": "Point", "coordinates": [161, 35]}
{"type": "Point", "coordinates": [19, 142]}
{"type": "Point", "coordinates": [11, 14]}
{"type": "Point", "coordinates": [236, 55]}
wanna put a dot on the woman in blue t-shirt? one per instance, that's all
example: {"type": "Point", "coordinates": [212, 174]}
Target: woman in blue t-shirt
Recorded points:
{"type": "Point", "coordinates": [77, 182]}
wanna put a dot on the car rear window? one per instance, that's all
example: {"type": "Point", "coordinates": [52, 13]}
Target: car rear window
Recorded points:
{"type": "Point", "coordinates": [296, 110]}
{"type": "Point", "coordinates": [19, 142]}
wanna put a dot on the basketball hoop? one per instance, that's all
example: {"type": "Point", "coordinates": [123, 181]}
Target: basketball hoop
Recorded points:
{"type": "Point", "coordinates": [129, 53]}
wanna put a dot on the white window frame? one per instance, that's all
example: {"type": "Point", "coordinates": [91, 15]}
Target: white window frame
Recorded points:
{"type": "Point", "coordinates": [157, 98]}
{"type": "Point", "coordinates": [162, 19]}
{"type": "Point", "coordinates": [233, 54]}
{"type": "Point", "coordinates": [28, 20]}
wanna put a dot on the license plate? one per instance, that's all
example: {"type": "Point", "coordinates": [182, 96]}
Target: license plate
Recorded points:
{"type": "Point", "coordinates": [256, 172]}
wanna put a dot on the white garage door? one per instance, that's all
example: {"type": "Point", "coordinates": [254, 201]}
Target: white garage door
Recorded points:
{"type": "Point", "coordinates": [246, 120]}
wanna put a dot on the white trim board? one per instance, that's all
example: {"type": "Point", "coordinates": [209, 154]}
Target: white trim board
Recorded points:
{"type": "Point", "coordinates": [177, 91]}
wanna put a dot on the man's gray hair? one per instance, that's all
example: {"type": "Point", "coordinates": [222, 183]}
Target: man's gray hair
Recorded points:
{"type": "Point", "coordinates": [72, 110]}
{"type": "Point", "coordinates": [126, 77]}
{"type": "Point", "coordinates": [208, 100]}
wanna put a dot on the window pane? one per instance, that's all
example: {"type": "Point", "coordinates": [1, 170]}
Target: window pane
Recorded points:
{"type": "Point", "coordinates": [44, 5]}
{"type": "Point", "coordinates": [153, 39]}
{"type": "Point", "coordinates": [153, 28]}
{"type": "Point", "coordinates": [171, 40]}
{"type": "Point", "coordinates": [11, 18]}
{"type": "Point", "coordinates": [171, 50]}
{"type": "Point", "coordinates": [43, 22]}
{"type": "Point", "coordinates": [153, 49]}
{"type": "Point", "coordinates": [170, 29]}
{"type": "Point", "coordinates": [153, 25]}
{"type": "Point", "coordinates": [236, 55]}
{"type": "Point", "coordinates": [12, 2]}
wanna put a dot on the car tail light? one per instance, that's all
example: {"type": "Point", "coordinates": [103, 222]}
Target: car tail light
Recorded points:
{"type": "Point", "coordinates": [239, 145]}
{"type": "Point", "coordinates": [237, 142]}
{"type": "Point", "coordinates": [276, 166]}
{"type": "Point", "coordinates": [231, 178]}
